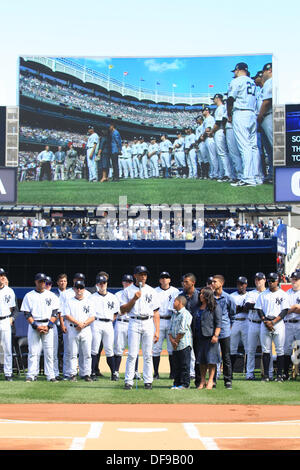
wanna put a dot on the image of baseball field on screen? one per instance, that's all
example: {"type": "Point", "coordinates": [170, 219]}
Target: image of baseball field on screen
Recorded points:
{"type": "Point", "coordinates": [156, 130]}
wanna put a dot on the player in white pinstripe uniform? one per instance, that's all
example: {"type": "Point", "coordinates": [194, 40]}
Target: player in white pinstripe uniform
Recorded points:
{"type": "Point", "coordinates": [125, 160]}
{"type": "Point", "coordinates": [239, 329]}
{"type": "Point", "coordinates": [241, 104]}
{"type": "Point", "coordinates": [165, 148]}
{"type": "Point", "coordinates": [219, 136]}
{"type": "Point", "coordinates": [40, 308]}
{"type": "Point", "coordinates": [292, 321]}
{"type": "Point", "coordinates": [178, 149]}
{"type": "Point", "coordinates": [141, 303]}
{"type": "Point", "coordinates": [106, 306]}
{"type": "Point", "coordinates": [190, 152]}
{"type": "Point", "coordinates": [121, 330]}
{"type": "Point", "coordinates": [7, 305]}
{"type": "Point", "coordinates": [272, 306]}
{"type": "Point", "coordinates": [153, 151]}
{"type": "Point", "coordinates": [166, 295]}
{"type": "Point", "coordinates": [255, 325]}
{"type": "Point", "coordinates": [265, 116]}
{"type": "Point", "coordinates": [208, 125]}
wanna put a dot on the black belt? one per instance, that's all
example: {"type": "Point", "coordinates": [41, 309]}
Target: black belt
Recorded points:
{"type": "Point", "coordinates": [120, 319]}
{"type": "Point", "coordinates": [2, 318]}
{"type": "Point", "coordinates": [165, 318]}
{"type": "Point", "coordinates": [42, 321]}
{"type": "Point", "coordinates": [240, 319]}
{"type": "Point", "coordinates": [292, 321]}
{"type": "Point", "coordinates": [255, 321]}
{"type": "Point", "coordinates": [103, 319]}
{"type": "Point", "coordinates": [270, 319]}
{"type": "Point", "coordinates": [141, 318]}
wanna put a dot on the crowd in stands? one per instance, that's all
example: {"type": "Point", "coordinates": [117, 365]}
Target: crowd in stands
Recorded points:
{"type": "Point", "coordinates": [45, 89]}
{"type": "Point", "coordinates": [135, 229]}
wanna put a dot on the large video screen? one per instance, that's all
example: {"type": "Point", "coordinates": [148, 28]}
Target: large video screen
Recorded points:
{"type": "Point", "coordinates": [156, 130]}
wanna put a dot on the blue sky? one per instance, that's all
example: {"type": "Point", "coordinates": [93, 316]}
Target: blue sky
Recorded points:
{"type": "Point", "coordinates": [189, 74]}
{"type": "Point", "coordinates": [143, 28]}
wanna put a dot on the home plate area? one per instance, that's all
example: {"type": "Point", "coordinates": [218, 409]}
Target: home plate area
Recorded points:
{"type": "Point", "coordinates": [126, 435]}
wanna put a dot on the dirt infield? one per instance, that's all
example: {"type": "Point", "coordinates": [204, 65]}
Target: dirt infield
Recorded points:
{"type": "Point", "coordinates": [151, 413]}
{"type": "Point", "coordinates": [149, 427]}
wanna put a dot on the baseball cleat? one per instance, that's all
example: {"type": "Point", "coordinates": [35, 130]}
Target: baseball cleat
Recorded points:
{"type": "Point", "coordinates": [148, 386]}
{"type": "Point", "coordinates": [127, 386]}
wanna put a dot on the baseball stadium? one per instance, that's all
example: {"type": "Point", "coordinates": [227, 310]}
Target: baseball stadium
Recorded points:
{"type": "Point", "coordinates": [146, 313]}
{"type": "Point", "coordinates": [60, 98]}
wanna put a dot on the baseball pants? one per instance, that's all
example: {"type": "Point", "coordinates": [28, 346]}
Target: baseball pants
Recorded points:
{"type": "Point", "coordinates": [292, 333]}
{"type": "Point", "coordinates": [81, 339]}
{"type": "Point", "coordinates": [120, 337]}
{"type": "Point", "coordinates": [239, 332]}
{"type": "Point", "coordinates": [267, 140]}
{"type": "Point", "coordinates": [6, 343]}
{"type": "Point", "coordinates": [145, 165]}
{"type": "Point", "coordinates": [135, 166]}
{"type": "Point", "coordinates": [253, 342]}
{"type": "Point", "coordinates": [36, 343]}
{"type": "Point", "coordinates": [222, 152]}
{"type": "Point", "coordinates": [55, 351]}
{"type": "Point", "coordinates": [154, 166]}
{"type": "Point", "coordinates": [192, 163]}
{"type": "Point", "coordinates": [278, 336]}
{"type": "Point", "coordinates": [103, 331]}
{"type": "Point", "coordinates": [92, 166]}
{"type": "Point", "coordinates": [127, 167]}
{"type": "Point", "coordinates": [140, 332]}
{"type": "Point", "coordinates": [163, 334]}
{"type": "Point", "coordinates": [180, 159]}
{"type": "Point", "coordinates": [234, 154]}
{"type": "Point", "coordinates": [244, 128]}
{"type": "Point", "coordinates": [213, 157]}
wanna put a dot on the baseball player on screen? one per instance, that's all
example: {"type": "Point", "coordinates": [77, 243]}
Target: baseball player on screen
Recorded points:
{"type": "Point", "coordinates": [241, 105]}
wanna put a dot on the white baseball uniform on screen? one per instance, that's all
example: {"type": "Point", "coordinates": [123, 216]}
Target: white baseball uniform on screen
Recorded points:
{"type": "Point", "coordinates": [153, 151]}
{"type": "Point", "coordinates": [220, 141]}
{"type": "Point", "coordinates": [140, 331]}
{"type": "Point", "coordinates": [191, 157]}
{"type": "Point", "coordinates": [254, 335]}
{"type": "Point", "coordinates": [267, 123]}
{"type": "Point", "coordinates": [178, 147]}
{"type": "Point", "coordinates": [165, 156]}
{"type": "Point", "coordinates": [41, 306]}
{"type": "Point", "coordinates": [7, 302]}
{"type": "Point", "coordinates": [234, 153]}
{"type": "Point", "coordinates": [126, 161]}
{"type": "Point", "coordinates": [92, 150]}
{"type": "Point", "coordinates": [80, 311]}
{"type": "Point", "coordinates": [242, 90]}
{"type": "Point", "coordinates": [272, 304]}
{"type": "Point", "coordinates": [210, 145]}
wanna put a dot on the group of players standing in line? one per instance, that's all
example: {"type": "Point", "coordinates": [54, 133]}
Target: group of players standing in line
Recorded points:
{"type": "Point", "coordinates": [142, 316]}
{"type": "Point", "coordinates": [234, 145]}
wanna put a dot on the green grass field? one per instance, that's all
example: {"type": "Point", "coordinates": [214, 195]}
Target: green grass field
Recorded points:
{"type": "Point", "coordinates": [106, 391]}
{"type": "Point", "coordinates": [152, 191]}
